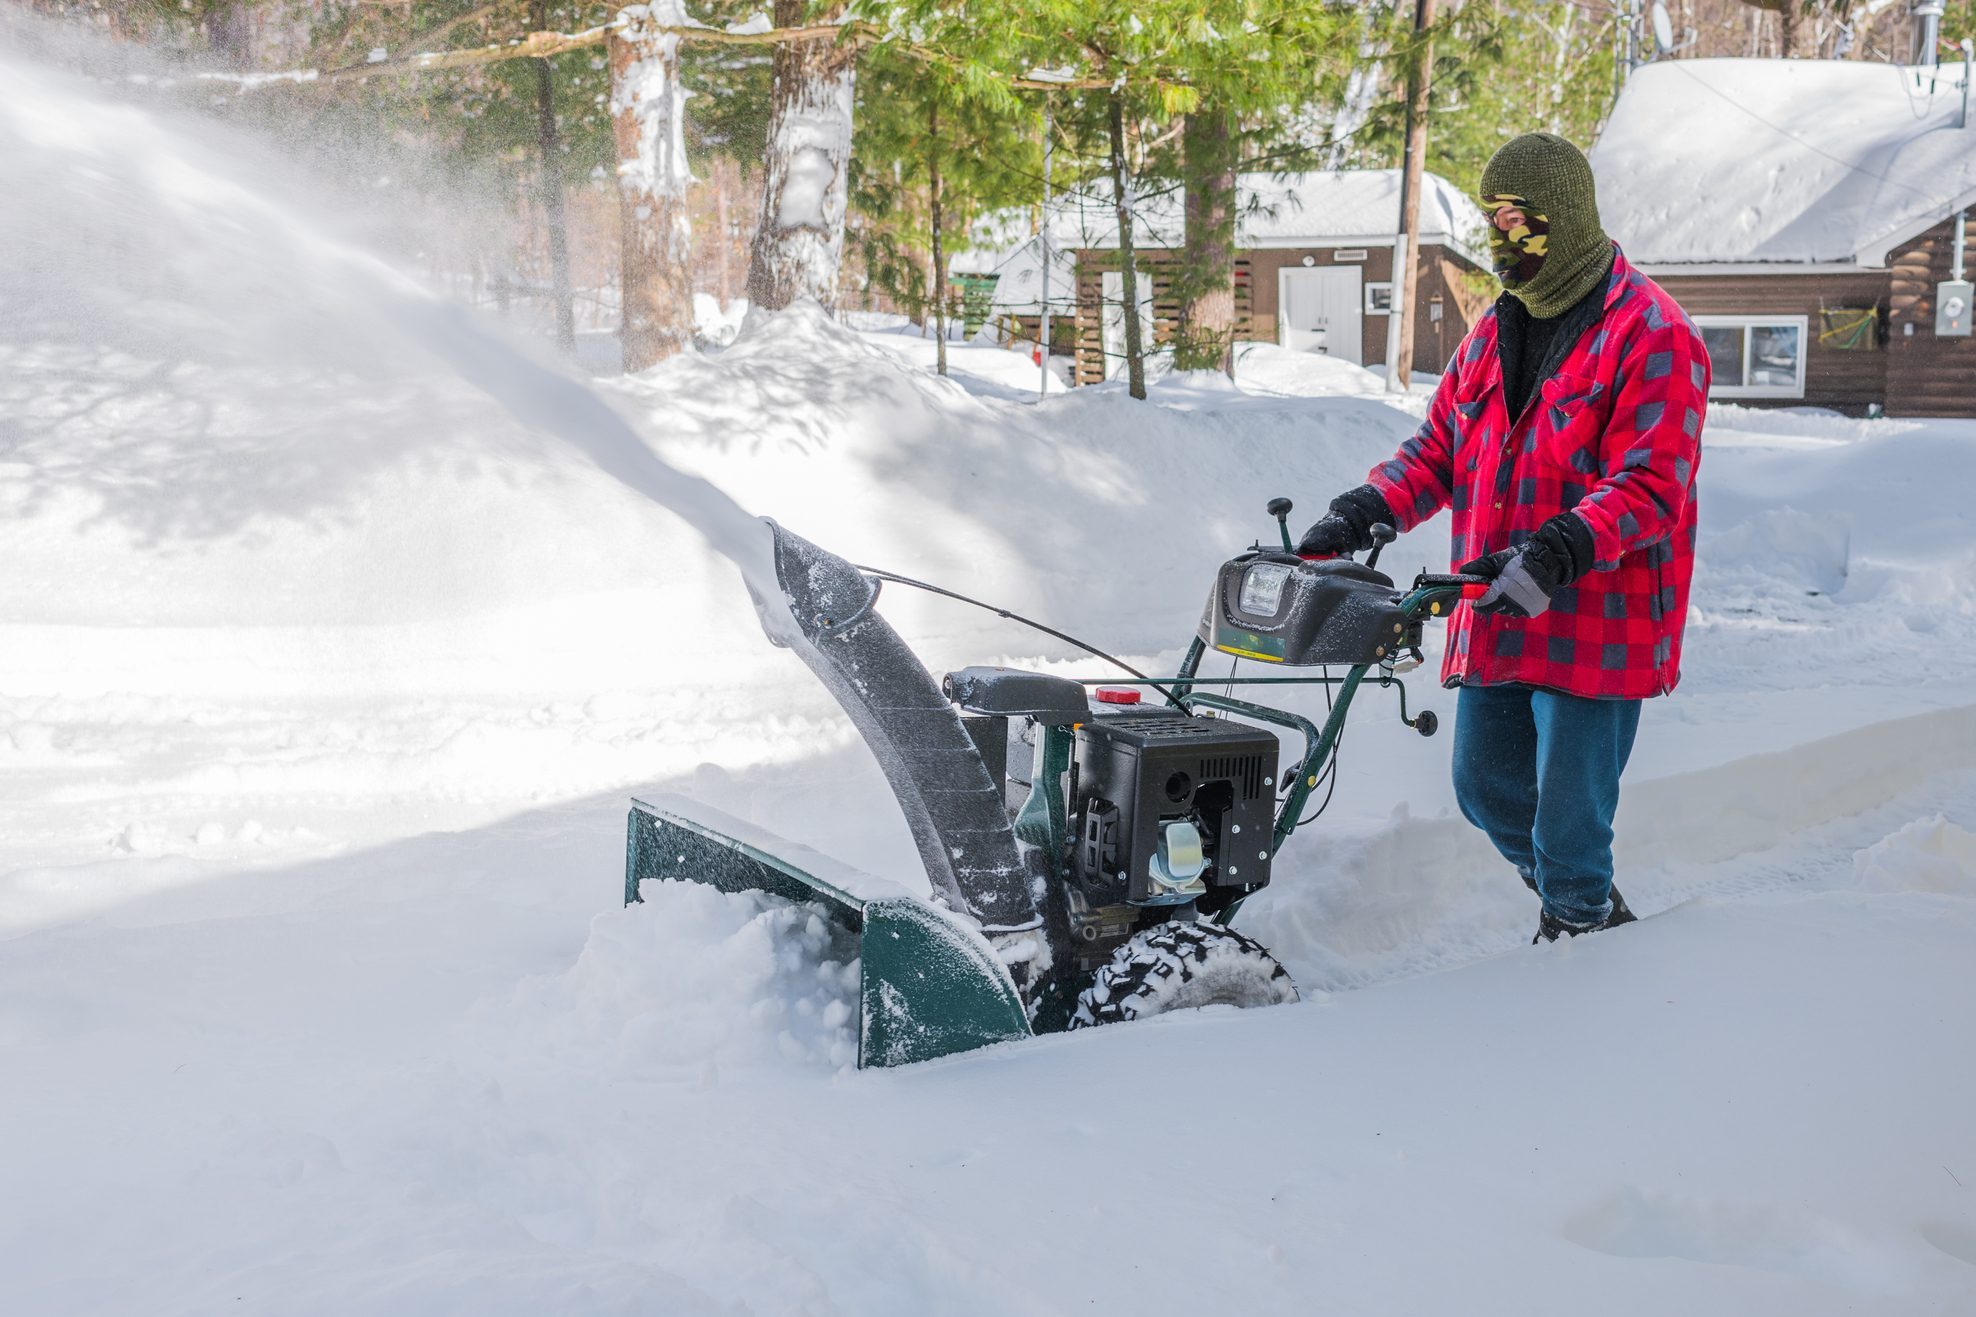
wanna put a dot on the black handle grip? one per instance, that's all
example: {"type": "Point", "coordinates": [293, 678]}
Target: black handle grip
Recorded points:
{"type": "Point", "coordinates": [1279, 507]}
{"type": "Point", "coordinates": [1448, 580]}
{"type": "Point", "coordinates": [1382, 535]}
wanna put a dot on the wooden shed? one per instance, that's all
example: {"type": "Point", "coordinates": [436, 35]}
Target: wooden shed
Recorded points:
{"type": "Point", "coordinates": [1313, 272]}
{"type": "Point", "coordinates": [1807, 224]}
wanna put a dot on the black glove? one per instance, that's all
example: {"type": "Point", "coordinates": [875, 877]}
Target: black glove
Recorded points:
{"type": "Point", "coordinates": [1348, 527]}
{"type": "Point", "coordinates": [1526, 577]}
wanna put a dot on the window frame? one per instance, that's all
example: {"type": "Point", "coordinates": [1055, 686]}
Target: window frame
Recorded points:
{"type": "Point", "coordinates": [1384, 285]}
{"type": "Point", "coordinates": [1801, 323]}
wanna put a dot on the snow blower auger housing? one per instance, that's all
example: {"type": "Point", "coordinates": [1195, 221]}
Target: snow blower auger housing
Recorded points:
{"type": "Point", "coordinates": [1093, 876]}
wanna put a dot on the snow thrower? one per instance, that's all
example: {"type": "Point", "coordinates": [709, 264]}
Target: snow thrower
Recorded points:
{"type": "Point", "coordinates": [1087, 842]}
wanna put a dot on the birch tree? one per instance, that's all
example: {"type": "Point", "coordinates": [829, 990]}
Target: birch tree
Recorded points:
{"type": "Point", "coordinates": [799, 241]}
{"type": "Point", "coordinates": [648, 120]}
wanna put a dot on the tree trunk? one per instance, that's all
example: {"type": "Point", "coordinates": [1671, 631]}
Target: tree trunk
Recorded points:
{"type": "Point", "coordinates": [647, 117]}
{"type": "Point", "coordinates": [939, 254]}
{"type": "Point", "coordinates": [1206, 336]}
{"type": "Point", "coordinates": [723, 276]}
{"type": "Point", "coordinates": [550, 142]}
{"type": "Point", "coordinates": [800, 241]}
{"type": "Point", "coordinates": [230, 32]}
{"type": "Point", "coordinates": [1790, 19]}
{"type": "Point", "coordinates": [1135, 352]}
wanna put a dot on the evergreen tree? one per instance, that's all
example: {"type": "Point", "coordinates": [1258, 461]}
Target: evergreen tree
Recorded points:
{"type": "Point", "coordinates": [911, 119]}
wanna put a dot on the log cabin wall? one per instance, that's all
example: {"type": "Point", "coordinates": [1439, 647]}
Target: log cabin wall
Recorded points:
{"type": "Point", "coordinates": [1444, 276]}
{"type": "Point", "coordinates": [1927, 375]}
{"type": "Point", "coordinates": [1465, 291]}
{"type": "Point", "coordinates": [1845, 379]}
{"type": "Point", "coordinates": [1155, 264]}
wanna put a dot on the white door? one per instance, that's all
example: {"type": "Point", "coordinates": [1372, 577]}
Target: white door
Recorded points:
{"type": "Point", "coordinates": [1112, 288]}
{"type": "Point", "coordinates": [1320, 310]}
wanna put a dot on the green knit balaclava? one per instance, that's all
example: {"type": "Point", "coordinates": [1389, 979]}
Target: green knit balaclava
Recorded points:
{"type": "Point", "coordinates": [1559, 253]}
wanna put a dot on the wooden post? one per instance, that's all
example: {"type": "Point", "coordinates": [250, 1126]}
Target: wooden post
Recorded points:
{"type": "Point", "coordinates": [1406, 247]}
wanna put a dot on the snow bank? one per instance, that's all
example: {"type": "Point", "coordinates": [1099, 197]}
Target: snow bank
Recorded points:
{"type": "Point", "coordinates": [688, 982]}
{"type": "Point", "coordinates": [1928, 855]}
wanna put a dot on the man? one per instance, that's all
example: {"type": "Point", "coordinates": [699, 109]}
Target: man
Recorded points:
{"type": "Point", "coordinates": [1565, 436]}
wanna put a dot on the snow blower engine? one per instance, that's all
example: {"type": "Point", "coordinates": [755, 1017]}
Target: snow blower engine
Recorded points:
{"type": "Point", "coordinates": [1087, 842]}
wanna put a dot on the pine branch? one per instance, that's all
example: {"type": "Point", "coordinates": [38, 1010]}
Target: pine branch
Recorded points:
{"type": "Point", "coordinates": [452, 25]}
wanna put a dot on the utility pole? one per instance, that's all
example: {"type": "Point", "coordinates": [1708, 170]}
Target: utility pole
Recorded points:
{"type": "Point", "coordinates": [1406, 256]}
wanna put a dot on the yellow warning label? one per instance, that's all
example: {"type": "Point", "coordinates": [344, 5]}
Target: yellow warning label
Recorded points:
{"type": "Point", "coordinates": [1248, 654]}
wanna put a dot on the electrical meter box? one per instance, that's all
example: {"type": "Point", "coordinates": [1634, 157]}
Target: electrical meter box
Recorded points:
{"type": "Point", "coordinates": [1952, 308]}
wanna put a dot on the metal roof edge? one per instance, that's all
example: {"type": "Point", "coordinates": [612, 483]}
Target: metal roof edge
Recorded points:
{"type": "Point", "coordinates": [1698, 268]}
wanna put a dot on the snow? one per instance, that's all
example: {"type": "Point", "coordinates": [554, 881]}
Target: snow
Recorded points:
{"type": "Point", "coordinates": [1781, 160]}
{"type": "Point", "coordinates": [337, 634]}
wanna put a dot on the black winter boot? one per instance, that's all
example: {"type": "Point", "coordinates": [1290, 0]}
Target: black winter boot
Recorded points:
{"type": "Point", "coordinates": [1550, 928]}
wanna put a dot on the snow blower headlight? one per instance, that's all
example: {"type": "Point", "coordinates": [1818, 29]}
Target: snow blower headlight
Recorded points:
{"type": "Point", "coordinates": [1262, 589]}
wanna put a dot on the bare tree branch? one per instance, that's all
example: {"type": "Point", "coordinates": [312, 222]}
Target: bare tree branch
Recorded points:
{"type": "Point", "coordinates": [541, 45]}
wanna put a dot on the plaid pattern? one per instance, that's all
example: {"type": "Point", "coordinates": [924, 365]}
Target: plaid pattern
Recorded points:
{"type": "Point", "coordinates": [1614, 436]}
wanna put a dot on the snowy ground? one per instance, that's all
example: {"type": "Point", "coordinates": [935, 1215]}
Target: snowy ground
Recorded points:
{"type": "Point", "coordinates": [324, 680]}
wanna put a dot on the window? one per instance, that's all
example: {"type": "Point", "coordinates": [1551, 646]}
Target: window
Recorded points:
{"type": "Point", "coordinates": [1755, 357]}
{"type": "Point", "coordinates": [1379, 299]}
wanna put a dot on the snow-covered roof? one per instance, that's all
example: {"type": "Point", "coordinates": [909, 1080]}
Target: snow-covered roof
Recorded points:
{"type": "Point", "coordinates": [1330, 208]}
{"type": "Point", "coordinates": [1019, 276]}
{"type": "Point", "coordinates": [1751, 161]}
{"type": "Point", "coordinates": [1327, 208]}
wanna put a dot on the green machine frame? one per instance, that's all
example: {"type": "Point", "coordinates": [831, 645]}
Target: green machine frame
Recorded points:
{"type": "Point", "coordinates": [931, 984]}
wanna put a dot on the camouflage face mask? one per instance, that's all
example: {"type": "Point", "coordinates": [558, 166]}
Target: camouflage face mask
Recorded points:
{"type": "Point", "coordinates": [1519, 253]}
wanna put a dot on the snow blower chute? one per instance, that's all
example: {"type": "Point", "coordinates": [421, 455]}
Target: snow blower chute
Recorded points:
{"type": "Point", "coordinates": [1092, 875]}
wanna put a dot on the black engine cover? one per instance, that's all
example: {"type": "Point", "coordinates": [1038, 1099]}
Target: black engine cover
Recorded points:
{"type": "Point", "coordinates": [1134, 772]}
{"type": "Point", "coordinates": [1280, 608]}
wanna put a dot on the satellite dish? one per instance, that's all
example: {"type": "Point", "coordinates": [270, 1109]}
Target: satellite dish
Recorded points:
{"type": "Point", "coordinates": [1663, 28]}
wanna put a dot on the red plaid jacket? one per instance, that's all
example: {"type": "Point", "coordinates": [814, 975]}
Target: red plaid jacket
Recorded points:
{"type": "Point", "coordinates": [1614, 437]}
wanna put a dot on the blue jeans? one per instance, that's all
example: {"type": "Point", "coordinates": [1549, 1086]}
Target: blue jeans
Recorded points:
{"type": "Point", "coordinates": [1539, 772]}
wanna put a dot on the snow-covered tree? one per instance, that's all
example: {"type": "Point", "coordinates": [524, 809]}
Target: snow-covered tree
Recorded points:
{"type": "Point", "coordinates": [799, 241]}
{"type": "Point", "coordinates": [648, 121]}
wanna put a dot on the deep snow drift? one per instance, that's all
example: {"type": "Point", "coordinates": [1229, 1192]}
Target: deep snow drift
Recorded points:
{"type": "Point", "coordinates": [322, 687]}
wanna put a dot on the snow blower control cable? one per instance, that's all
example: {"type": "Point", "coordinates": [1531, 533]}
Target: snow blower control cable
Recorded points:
{"type": "Point", "coordinates": [882, 575]}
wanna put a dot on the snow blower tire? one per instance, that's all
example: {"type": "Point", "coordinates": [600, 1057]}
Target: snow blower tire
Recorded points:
{"type": "Point", "coordinates": [1179, 967]}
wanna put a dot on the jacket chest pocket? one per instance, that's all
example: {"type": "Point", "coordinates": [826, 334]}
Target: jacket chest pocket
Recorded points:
{"type": "Point", "coordinates": [1477, 419]}
{"type": "Point", "coordinates": [1570, 419]}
